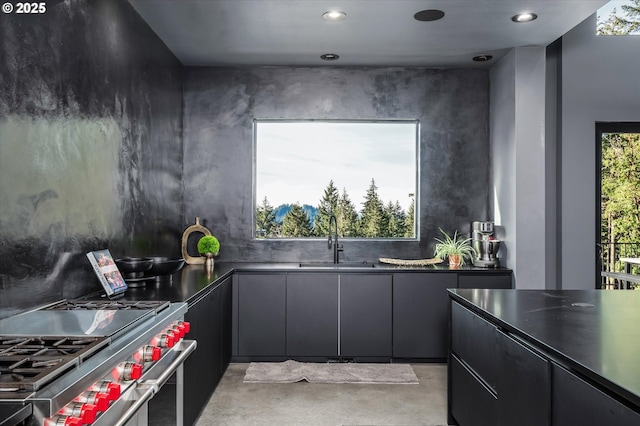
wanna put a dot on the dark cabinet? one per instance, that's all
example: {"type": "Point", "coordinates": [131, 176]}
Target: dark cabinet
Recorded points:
{"type": "Point", "coordinates": [312, 315]}
{"type": "Point", "coordinates": [484, 280]}
{"type": "Point", "coordinates": [350, 314]}
{"type": "Point", "coordinates": [365, 315]}
{"type": "Point", "coordinates": [261, 315]}
{"type": "Point", "coordinates": [471, 402]}
{"type": "Point", "coordinates": [420, 314]}
{"type": "Point", "coordinates": [473, 340]}
{"type": "Point", "coordinates": [576, 402]}
{"type": "Point", "coordinates": [497, 377]}
{"type": "Point", "coordinates": [210, 319]}
{"type": "Point", "coordinates": [523, 384]}
{"type": "Point", "coordinates": [494, 378]}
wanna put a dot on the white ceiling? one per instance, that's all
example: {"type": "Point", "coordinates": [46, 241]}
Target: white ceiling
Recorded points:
{"type": "Point", "coordinates": [375, 32]}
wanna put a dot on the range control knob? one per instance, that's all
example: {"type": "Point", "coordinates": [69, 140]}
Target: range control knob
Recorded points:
{"type": "Point", "coordinates": [164, 340]}
{"type": "Point", "coordinates": [185, 324]}
{"type": "Point", "coordinates": [86, 412]}
{"type": "Point", "coordinates": [177, 331]}
{"type": "Point", "coordinates": [63, 420]}
{"type": "Point", "coordinates": [111, 389]}
{"type": "Point", "coordinates": [126, 371]}
{"type": "Point", "coordinates": [148, 353]}
{"type": "Point", "coordinates": [99, 399]}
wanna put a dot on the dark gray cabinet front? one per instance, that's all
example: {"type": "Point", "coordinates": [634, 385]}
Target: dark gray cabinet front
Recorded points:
{"type": "Point", "coordinates": [261, 315]}
{"type": "Point", "coordinates": [471, 402]}
{"type": "Point", "coordinates": [210, 319]}
{"type": "Point", "coordinates": [420, 314]}
{"type": "Point", "coordinates": [523, 384]}
{"type": "Point", "coordinates": [365, 315]}
{"type": "Point", "coordinates": [494, 378]}
{"type": "Point", "coordinates": [484, 280]}
{"type": "Point", "coordinates": [576, 402]}
{"type": "Point", "coordinates": [312, 315]}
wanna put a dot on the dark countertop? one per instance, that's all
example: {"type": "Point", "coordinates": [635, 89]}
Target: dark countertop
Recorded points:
{"type": "Point", "coordinates": [193, 281]}
{"type": "Point", "coordinates": [594, 332]}
{"type": "Point", "coordinates": [11, 414]}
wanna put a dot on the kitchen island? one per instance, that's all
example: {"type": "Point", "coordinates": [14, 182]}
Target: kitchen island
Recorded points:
{"type": "Point", "coordinates": [542, 357]}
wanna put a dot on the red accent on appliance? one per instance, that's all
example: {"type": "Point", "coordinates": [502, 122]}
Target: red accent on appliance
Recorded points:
{"type": "Point", "coordinates": [99, 399]}
{"type": "Point", "coordinates": [86, 412]}
{"type": "Point", "coordinates": [63, 421]}
{"type": "Point", "coordinates": [148, 353]}
{"type": "Point", "coordinates": [110, 388]}
{"type": "Point", "coordinates": [163, 340]}
{"type": "Point", "coordinates": [175, 334]}
{"type": "Point", "coordinates": [126, 371]}
{"type": "Point", "coordinates": [186, 325]}
{"type": "Point", "coordinates": [156, 353]}
{"type": "Point", "coordinates": [177, 331]}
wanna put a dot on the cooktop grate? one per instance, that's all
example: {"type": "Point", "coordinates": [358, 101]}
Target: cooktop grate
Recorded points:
{"type": "Point", "coordinates": [71, 305]}
{"type": "Point", "coordinates": [28, 363]}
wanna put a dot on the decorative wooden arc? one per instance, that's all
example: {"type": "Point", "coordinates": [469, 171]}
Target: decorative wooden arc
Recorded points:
{"type": "Point", "coordinates": [185, 237]}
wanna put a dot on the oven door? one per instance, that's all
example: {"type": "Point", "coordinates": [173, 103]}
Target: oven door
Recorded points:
{"type": "Point", "coordinates": [132, 408]}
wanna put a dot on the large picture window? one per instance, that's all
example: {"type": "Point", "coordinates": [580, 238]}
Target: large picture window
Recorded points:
{"type": "Point", "coordinates": [365, 173]}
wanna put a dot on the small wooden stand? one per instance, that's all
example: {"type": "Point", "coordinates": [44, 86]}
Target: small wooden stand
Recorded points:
{"type": "Point", "coordinates": [185, 237]}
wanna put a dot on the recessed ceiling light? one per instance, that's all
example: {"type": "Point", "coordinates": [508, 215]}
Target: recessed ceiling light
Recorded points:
{"type": "Point", "coordinates": [334, 15]}
{"type": "Point", "coordinates": [524, 17]}
{"type": "Point", "coordinates": [428, 15]}
{"type": "Point", "coordinates": [482, 58]}
{"type": "Point", "coordinates": [329, 57]}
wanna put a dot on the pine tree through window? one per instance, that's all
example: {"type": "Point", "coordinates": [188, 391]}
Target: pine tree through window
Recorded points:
{"type": "Point", "coordinates": [363, 172]}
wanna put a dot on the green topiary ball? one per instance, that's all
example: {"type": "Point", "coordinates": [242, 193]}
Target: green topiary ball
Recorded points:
{"type": "Point", "coordinates": [208, 244]}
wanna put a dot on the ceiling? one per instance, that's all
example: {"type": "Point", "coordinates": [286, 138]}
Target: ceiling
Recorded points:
{"type": "Point", "coordinates": [374, 33]}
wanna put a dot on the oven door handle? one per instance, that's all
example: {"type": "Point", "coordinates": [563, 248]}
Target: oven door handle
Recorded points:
{"type": "Point", "coordinates": [135, 407]}
{"type": "Point", "coordinates": [187, 347]}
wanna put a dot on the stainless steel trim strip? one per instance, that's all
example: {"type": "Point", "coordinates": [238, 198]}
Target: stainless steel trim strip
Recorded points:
{"type": "Point", "coordinates": [133, 409]}
{"type": "Point", "coordinates": [185, 349]}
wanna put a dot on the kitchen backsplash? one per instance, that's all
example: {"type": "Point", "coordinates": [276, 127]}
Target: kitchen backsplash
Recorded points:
{"type": "Point", "coordinates": [91, 151]}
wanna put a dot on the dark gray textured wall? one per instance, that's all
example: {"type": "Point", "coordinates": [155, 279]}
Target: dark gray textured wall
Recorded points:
{"type": "Point", "coordinates": [220, 104]}
{"type": "Point", "coordinates": [90, 147]}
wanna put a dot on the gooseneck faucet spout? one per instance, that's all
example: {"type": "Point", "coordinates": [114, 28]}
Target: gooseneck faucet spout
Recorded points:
{"type": "Point", "coordinates": [333, 239]}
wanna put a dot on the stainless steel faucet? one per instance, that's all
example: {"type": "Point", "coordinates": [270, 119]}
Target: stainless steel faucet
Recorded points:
{"type": "Point", "coordinates": [333, 241]}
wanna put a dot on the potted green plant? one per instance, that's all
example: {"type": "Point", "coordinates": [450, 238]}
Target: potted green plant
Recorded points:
{"type": "Point", "coordinates": [208, 246]}
{"type": "Point", "coordinates": [456, 249]}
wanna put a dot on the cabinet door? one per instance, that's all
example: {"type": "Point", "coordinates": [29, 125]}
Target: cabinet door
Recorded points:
{"type": "Point", "coordinates": [261, 315]}
{"type": "Point", "coordinates": [226, 300]}
{"type": "Point", "coordinates": [202, 369]}
{"type": "Point", "coordinates": [576, 402]}
{"type": "Point", "coordinates": [365, 315]}
{"type": "Point", "coordinates": [484, 280]}
{"type": "Point", "coordinates": [471, 403]}
{"type": "Point", "coordinates": [312, 314]}
{"type": "Point", "coordinates": [523, 384]}
{"type": "Point", "coordinates": [420, 306]}
{"type": "Point", "coordinates": [473, 340]}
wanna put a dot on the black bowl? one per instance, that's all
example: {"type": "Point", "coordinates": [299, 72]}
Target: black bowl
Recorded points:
{"type": "Point", "coordinates": [133, 267]}
{"type": "Point", "coordinates": [164, 266]}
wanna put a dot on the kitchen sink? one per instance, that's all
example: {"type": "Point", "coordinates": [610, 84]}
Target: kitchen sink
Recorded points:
{"type": "Point", "coordinates": [331, 265]}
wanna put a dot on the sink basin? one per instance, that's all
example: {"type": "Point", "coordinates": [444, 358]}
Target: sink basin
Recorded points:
{"type": "Point", "coordinates": [332, 265]}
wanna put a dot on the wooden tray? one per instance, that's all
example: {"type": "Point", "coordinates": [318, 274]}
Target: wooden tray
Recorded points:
{"type": "Point", "coordinates": [414, 262]}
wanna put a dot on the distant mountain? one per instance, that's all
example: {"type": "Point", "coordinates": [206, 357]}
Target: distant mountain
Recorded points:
{"type": "Point", "coordinates": [283, 209]}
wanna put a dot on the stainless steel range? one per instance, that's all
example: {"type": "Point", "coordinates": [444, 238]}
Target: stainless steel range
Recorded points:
{"type": "Point", "coordinates": [93, 362]}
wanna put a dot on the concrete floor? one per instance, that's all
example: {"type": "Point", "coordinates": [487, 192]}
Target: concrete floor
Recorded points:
{"type": "Point", "coordinates": [238, 404]}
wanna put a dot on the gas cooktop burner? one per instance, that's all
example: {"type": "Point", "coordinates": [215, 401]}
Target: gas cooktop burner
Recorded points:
{"type": "Point", "coordinates": [28, 362]}
{"type": "Point", "coordinates": [71, 305]}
